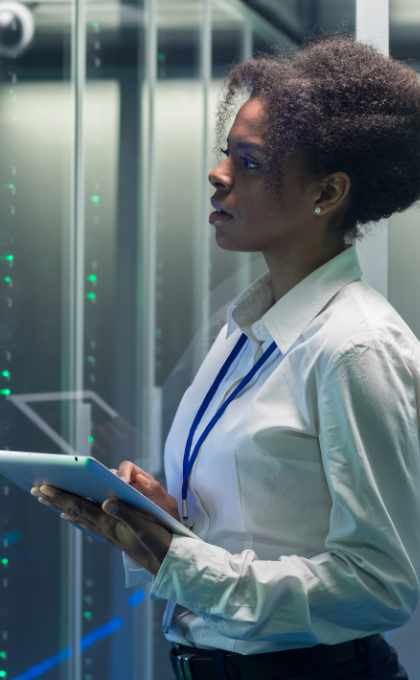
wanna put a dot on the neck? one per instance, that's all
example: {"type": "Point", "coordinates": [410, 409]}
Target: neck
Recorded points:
{"type": "Point", "coordinates": [287, 269]}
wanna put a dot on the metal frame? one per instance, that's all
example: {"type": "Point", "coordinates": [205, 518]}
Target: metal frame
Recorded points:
{"type": "Point", "coordinates": [202, 235]}
{"type": "Point", "coordinates": [146, 320]}
{"type": "Point", "coordinates": [21, 402]}
{"type": "Point", "coordinates": [372, 26]}
{"type": "Point", "coordinates": [146, 287]}
{"type": "Point", "coordinates": [76, 326]}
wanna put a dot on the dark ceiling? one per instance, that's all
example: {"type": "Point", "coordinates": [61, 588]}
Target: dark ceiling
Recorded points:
{"type": "Point", "coordinates": [300, 18]}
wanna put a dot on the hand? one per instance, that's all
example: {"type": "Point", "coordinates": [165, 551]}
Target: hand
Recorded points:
{"type": "Point", "coordinates": [148, 486]}
{"type": "Point", "coordinates": [129, 529]}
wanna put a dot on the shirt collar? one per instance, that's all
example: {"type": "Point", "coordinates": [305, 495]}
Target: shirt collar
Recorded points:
{"type": "Point", "coordinates": [286, 319]}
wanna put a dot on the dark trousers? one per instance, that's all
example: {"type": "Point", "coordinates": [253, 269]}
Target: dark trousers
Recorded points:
{"type": "Point", "coordinates": [380, 663]}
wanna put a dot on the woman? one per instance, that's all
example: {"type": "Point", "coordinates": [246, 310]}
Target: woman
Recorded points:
{"type": "Point", "coordinates": [304, 486]}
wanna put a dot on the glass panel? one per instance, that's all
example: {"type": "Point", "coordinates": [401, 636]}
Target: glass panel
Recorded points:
{"type": "Point", "coordinates": [36, 128]}
{"type": "Point", "coordinates": [108, 209]}
{"type": "Point", "coordinates": [111, 285]}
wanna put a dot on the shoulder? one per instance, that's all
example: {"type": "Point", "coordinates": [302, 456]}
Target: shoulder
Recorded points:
{"type": "Point", "coordinates": [360, 322]}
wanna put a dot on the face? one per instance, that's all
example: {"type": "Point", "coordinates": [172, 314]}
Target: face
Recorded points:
{"type": "Point", "coordinates": [258, 220]}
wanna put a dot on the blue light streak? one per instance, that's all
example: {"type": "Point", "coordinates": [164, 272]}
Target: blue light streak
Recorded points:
{"type": "Point", "coordinates": [56, 659]}
{"type": "Point", "coordinates": [137, 597]}
{"type": "Point", "coordinates": [101, 632]}
{"type": "Point", "coordinates": [85, 641]}
{"type": "Point", "coordinates": [46, 665]}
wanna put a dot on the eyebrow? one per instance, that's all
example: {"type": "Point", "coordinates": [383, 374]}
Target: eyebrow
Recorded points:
{"type": "Point", "coordinates": [247, 145]}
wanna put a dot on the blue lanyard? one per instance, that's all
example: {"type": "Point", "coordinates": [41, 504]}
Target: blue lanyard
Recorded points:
{"type": "Point", "coordinates": [189, 462]}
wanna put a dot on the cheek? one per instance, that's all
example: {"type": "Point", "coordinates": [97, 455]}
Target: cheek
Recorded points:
{"type": "Point", "coordinates": [269, 211]}
{"type": "Point", "coordinates": [261, 206]}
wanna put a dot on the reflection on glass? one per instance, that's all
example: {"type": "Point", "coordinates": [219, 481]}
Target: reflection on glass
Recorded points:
{"type": "Point", "coordinates": [111, 285]}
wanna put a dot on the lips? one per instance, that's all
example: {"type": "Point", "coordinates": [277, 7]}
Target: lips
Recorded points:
{"type": "Point", "coordinates": [220, 215]}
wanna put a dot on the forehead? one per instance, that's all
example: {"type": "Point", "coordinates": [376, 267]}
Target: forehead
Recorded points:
{"type": "Point", "coordinates": [249, 122]}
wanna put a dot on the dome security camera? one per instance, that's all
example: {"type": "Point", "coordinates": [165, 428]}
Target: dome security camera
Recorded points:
{"type": "Point", "coordinates": [17, 28]}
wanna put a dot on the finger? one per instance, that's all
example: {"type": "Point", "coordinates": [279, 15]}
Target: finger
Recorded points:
{"type": "Point", "coordinates": [36, 491]}
{"type": "Point", "coordinates": [142, 479]}
{"type": "Point", "coordinates": [79, 509]}
{"type": "Point", "coordinates": [153, 488]}
{"type": "Point", "coordinates": [93, 528]}
{"type": "Point", "coordinates": [127, 471]}
{"type": "Point", "coordinates": [44, 501]}
{"type": "Point", "coordinates": [133, 517]}
{"type": "Point", "coordinates": [142, 485]}
{"type": "Point", "coordinates": [146, 475]}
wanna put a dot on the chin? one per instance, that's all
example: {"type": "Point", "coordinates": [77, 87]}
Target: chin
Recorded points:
{"type": "Point", "coordinates": [234, 246]}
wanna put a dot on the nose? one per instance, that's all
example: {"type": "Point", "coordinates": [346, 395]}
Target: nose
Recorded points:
{"type": "Point", "coordinates": [220, 177]}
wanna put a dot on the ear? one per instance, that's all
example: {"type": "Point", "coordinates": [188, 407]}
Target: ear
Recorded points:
{"type": "Point", "coordinates": [334, 189]}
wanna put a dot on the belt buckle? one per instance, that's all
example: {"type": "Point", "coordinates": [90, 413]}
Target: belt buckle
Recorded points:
{"type": "Point", "coordinates": [183, 666]}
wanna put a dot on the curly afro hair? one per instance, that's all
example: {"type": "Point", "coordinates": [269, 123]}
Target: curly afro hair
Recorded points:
{"type": "Point", "coordinates": [351, 109]}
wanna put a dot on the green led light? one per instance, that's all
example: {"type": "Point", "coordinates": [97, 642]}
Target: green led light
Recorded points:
{"type": "Point", "coordinates": [161, 55]}
{"type": "Point", "coordinates": [95, 199]}
{"type": "Point", "coordinates": [3, 674]}
{"type": "Point", "coordinates": [91, 439]}
{"type": "Point", "coordinates": [5, 392]}
{"type": "Point", "coordinates": [87, 615]}
{"type": "Point", "coordinates": [92, 278]}
{"type": "Point", "coordinates": [95, 24]}
{"type": "Point", "coordinates": [7, 279]}
{"type": "Point", "coordinates": [11, 91]}
{"type": "Point", "coordinates": [91, 296]}
{"type": "Point", "coordinates": [90, 358]}
{"type": "Point", "coordinates": [11, 186]}
{"type": "Point", "coordinates": [5, 561]}
{"type": "Point", "coordinates": [9, 258]}
{"type": "Point", "coordinates": [87, 677]}
{"type": "Point", "coordinates": [5, 374]}
{"type": "Point", "coordinates": [158, 331]}
{"type": "Point", "coordinates": [3, 655]}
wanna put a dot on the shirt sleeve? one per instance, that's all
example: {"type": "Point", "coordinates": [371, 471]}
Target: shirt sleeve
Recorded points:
{"type": "Point", "coordinates": [135, 575]}
{"type": "Point", "coordinates": [366, 581]}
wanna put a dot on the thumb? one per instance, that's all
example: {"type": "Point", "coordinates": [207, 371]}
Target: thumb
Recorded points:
{"type": "Point", "coordinates": [116, 509]}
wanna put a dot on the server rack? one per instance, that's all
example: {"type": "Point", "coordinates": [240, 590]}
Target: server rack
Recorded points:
{"type": "Point", "coordinates": [86, 317]}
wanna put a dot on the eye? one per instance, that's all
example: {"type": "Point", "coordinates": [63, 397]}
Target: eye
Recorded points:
{"type": "Point", "coordinates": [249, 164]}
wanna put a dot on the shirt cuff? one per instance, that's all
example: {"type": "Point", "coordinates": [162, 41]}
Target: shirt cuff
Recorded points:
{"type": "Point", "coordinates": [135, 575]}
{"type": "Point", "coordinates": [189, 573]}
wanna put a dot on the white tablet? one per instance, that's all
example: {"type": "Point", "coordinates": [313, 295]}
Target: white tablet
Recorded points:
{"type": "Point", "coordinates": [83, 476]}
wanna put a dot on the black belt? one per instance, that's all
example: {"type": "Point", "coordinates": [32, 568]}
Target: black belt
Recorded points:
{"type": "Point", "coordinates": [190, 663]}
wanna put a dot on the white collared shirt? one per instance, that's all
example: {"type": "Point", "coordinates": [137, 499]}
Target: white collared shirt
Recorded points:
{"type": "Point", "coordinates": [306, 492]}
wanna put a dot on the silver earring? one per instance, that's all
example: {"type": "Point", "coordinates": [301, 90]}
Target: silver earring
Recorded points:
{"type": "Point", "coordinates": [318, 210]}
